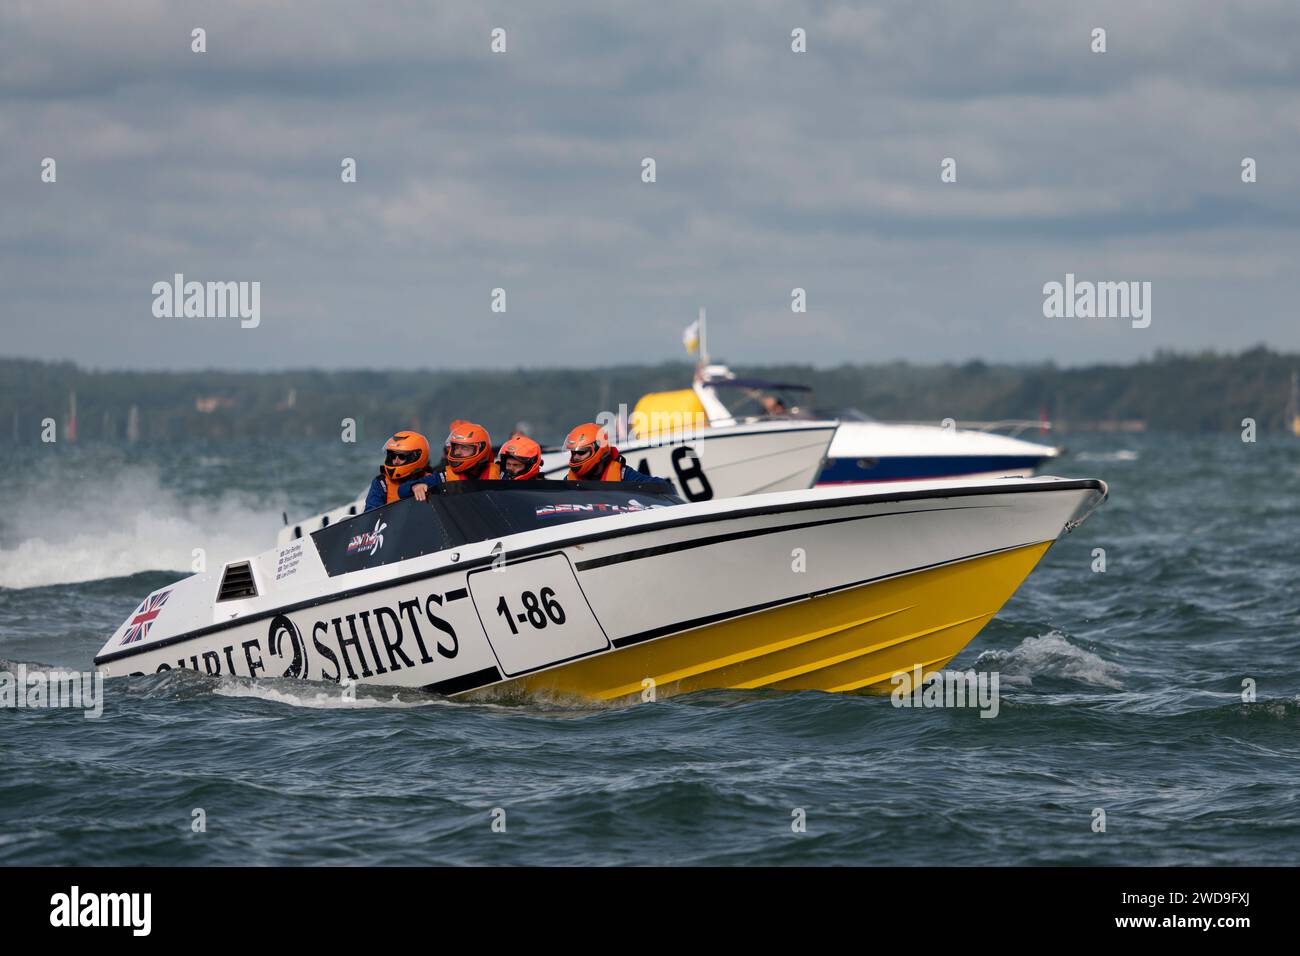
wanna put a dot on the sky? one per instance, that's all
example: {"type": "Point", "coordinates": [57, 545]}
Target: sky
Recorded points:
{"type": "Point", "coordinates": [522, 170]}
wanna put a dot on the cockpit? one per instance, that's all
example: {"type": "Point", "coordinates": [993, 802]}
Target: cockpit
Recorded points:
{"type": "Point", "coordinates": [463, 512]}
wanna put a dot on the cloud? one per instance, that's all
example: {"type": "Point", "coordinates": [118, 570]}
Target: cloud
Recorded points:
{"type": "Point", "coordinates": [522, 171]}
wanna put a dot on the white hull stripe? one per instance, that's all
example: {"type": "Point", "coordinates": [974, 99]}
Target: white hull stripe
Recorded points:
{"type": "Point", "coordinates": [751, 533]}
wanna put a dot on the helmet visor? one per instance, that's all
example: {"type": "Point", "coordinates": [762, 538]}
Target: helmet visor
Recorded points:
{"type": "Point", "coordinates": [516, 465]}
{"type": "Point", "coordinates": [580, 454]}
{"type": "Point", "coordinates": [395, 457]}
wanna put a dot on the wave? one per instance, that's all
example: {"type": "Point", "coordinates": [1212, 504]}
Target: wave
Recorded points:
{"type": "Point", "coordinates": [124, 523]}
{"type": "Point", "coordinates": [1047, 656]}
{"type": "Point", "coordinates": [319, 697]}
{"type": "Point", "coordinates": [1123, 454]}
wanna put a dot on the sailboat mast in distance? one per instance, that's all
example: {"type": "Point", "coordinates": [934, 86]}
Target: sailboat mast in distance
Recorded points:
{"type": "Point", "coordinates": [1293, 406]}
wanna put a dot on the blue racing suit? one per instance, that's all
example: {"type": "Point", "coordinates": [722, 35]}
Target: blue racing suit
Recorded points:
{"type": "Point", "coordinates": [407, 488]}
{"type": "Point", "coordinates": [377, 496]}
{"type": "Point", "coordinates": [631, 474]}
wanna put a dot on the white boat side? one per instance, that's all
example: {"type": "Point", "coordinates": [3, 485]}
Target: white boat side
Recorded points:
{"type": "Point", "coordinates": [450, 621]}
{"type": "Point", "coordinates": [869, 451]}
{"type": "Point", "coordinates": [882, 451]}
{"type": "Point", "coordinates": [728, 461]}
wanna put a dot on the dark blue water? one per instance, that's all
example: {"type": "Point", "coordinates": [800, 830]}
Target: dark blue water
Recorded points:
{"type": "Point", "coordinates": [1121, 692]}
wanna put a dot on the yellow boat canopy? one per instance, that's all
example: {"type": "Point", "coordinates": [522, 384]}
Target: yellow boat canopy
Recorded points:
{"type": "Point", "coordinates": [661, 414]}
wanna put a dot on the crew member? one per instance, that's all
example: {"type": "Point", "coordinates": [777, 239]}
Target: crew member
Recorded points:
{"type": "Point", "coordinates": [520, 458]}
{"type": "Point", "coordinates": [406, 458]}
{"type": "Point", "coordinates": [468, 457]}
{"type": "Point", "coordinates": [593, 458]}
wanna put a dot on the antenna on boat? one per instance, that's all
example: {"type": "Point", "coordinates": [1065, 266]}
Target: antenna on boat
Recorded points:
{"type": "Point", "coordinates": [696, 339]}
{"type": "Point", "coordinates": [704, 340]}
{"type": "Point", "coordinates": [1293, 406]}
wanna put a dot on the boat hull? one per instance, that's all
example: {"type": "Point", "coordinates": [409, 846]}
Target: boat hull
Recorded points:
{"type": "Point", "coordinates": [828, 590]}
{"type": "Point", "coordinates": [849, 640]}
{"type": "Point", "coordinates": [727, 462]}
{"type": "Point", "coordinates": [869, 470]}
{"type": "Point", "coordinates": [869, 452]}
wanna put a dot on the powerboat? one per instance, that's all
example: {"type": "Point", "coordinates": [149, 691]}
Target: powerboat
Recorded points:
{"type": "Point", "coordinates": [870, 451]}
{"type": "Point", "coordinates": [865, 451]}
{"type": "Point", "coordinates": [862, 451]}
{"type": "Point", "coordinates": [601, 590]}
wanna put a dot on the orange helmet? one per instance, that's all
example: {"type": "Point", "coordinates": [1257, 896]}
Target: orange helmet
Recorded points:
{"type": "Point", "coordinates": [405, 454]}
{"type": "Point", "coordinates": [522, 449]}
{"type": "Point", "coordinates": [468, 447]}
{"type": "Point", "coordinates": [588, 447]}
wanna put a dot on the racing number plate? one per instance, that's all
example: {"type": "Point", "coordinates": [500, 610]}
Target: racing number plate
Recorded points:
{"type": "Point", "coordinates": [534, 614]}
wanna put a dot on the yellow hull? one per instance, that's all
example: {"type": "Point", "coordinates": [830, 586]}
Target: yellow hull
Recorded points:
{"type": "Point", "coordinates": [849, 640]}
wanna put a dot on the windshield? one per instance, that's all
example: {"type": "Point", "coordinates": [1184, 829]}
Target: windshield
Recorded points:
{"type": "Point", "coordinates": [761, 401]}
{"type": "Point", "coordinates": [461, 513]}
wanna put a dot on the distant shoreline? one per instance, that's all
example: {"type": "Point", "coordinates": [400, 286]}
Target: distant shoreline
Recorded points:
{"type": "Point", "coordinates": [1205, 392]}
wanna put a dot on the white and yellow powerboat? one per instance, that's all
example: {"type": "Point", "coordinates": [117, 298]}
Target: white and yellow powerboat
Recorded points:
{"type": "Point", "coordinates": [601, 590]}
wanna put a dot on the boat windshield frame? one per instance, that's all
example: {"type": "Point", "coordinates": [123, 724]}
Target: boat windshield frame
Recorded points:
{"type": "Point", "coordinates": [461, 513]}
{"type": "Point", "coordinates": [746, 392]}
{"type": "Point", "coordinates": [552, 484]}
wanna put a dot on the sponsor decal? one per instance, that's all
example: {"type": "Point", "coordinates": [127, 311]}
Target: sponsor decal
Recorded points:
{"type": "Point", "coordinates": [282, 639]}
{"type": "Point", "coordinates": [592, 508]}
{"type": "Point", "coordinates": [288, 561]}
{"type": "Point", "coordinates": [368, 541]}
{"type": "Point", "coordinates": [350, 646]}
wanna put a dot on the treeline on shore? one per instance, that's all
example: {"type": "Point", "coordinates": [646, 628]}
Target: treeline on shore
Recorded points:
{"type": "Point", "coordinates": [1169, 392]}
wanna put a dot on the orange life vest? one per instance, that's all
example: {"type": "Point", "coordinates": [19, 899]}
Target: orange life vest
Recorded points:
{"type": "Point", "coordinates": [392, 487]}
{"type": "Point", "coordinates": [613, 470]}
{"type": "Point", "coordinates": [490, 473]}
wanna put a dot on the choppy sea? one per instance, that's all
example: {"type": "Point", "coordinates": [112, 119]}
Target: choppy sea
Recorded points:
{"type": "Point", "coordinates": [1163, 691]}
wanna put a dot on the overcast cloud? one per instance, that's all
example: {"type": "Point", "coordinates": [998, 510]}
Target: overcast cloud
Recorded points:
{"type": "Point", "coordinates": [523, 171]}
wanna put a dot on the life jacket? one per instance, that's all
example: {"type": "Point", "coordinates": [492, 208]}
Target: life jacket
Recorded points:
{"type": "Point", "coordinates": [613, 470]}
{"type": "Point", "coordinates": [390, 487]}
{"type": "Point", "coordinates": [491, 473]}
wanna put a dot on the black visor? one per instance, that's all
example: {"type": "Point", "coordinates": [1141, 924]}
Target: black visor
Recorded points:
{"type": "Point", "coordinates": [395, 457]}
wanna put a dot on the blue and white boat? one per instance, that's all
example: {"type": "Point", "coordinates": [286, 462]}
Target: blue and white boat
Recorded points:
{"type": "Point", "coordinates": [861, 451]}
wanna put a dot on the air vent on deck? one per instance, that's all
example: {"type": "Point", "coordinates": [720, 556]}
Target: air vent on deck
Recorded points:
{"type": "Point", "coordinates": [237, 582]}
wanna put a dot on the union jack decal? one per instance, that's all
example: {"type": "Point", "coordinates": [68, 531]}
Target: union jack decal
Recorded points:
{"type": "Point", "coordinates": [144, 617]}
